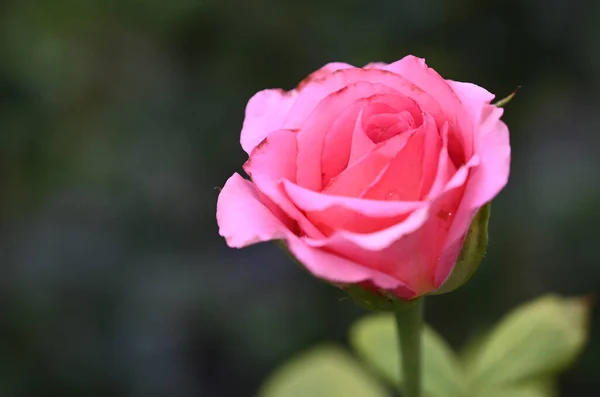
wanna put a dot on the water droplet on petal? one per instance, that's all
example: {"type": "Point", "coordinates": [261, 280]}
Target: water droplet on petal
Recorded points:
{"type": "Point", "coordinates": [393, 196]}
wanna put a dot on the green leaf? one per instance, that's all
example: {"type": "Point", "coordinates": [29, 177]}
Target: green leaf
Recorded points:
{"type": "Point", "coordinates": [374, 338]}
{"type": "Point", "coordinates": [472, 347]}
{"type": "Point", "coordinates": [472, 252]}
{"type": "Point", "coordinates": [537, 339]}
{"type": "Point", "coordinates": [540, 388]}
{"type": "Point", "coordinates": [326, 371]}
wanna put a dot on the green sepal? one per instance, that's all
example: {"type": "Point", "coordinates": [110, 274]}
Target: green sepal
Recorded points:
{"type": "Point", "coordinates": [506, 100]}
{"type": "Point", "coordinates": [472, 252]}
{"type": "Point", "coordinates": [382, 301]}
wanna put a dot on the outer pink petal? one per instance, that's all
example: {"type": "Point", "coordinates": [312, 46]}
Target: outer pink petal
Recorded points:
{"type": "Point", "coordinates": [416, 70]}
{"type": "Point", "coordinates": [337, 269]}
{"type": "Point", "coordinates": [320, 89]}
{"type": "Point", "coordinates": [267, 110]}
{"type": "Point", "coordinates": [243, 220]}
{"type": "Point", "coordinates": [484, 183]}
{"type": "Point", "coordinates": [274, 157]}
{"type": "Point", "coordinates": [375, 65]}
{"type": "Point", "coordinates": [323, 73]}
{"type": "Point", "coordinates": [265, 113]}
{"type": "Point", "coordinates": [473, 97]}
{"type": "Point", "coordinates": [270, 162]}
{"type": "Point", "coordinates": [407, 251]}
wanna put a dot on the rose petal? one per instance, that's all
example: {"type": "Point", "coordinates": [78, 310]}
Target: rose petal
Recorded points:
{"type": "Point", "coordinates": [391, 105]}
{"type": "Point", "coordinates": [274, 157]}
{"type": "Point", "coordinates": [347, 85]}
{"type": "Point", "coordinates": [379, 108]}
{"type": "Point", "coordinates": [361, 143]}
{"type": "Point", "coordinates": [337, 269]}
{"type": "Point", "coordinates": [320, 89]}
{"type": "Point", "coordinates": [431, 155]}
{"type": "Point", "coordinates": [484, 183]}
{"type": "Point", "coordinates": [402, 178]}
{"type": "Point", "coordinates": [348, 213]}
{"type": "Point", "coordinates": [381, 127]}
{"type": "Point", "coordinates": [445, 169]}
{"type": "Point", "coordinates": [375, 65]}
{"type": "Point", "coordinates": [416, 70]}
{"type": "Point", "coordinates": [473, 97]}
{"type": "Point", "coordinates": [243, 220]}
{"type": "Point", "coordinates": [357, 177]}
{"type": "Point", "coordinates": [265, 113]}
{"type": "Point", "coordinates": [311, 138]}
{"type": "Point", "coordinates": [272, 161]}
{"type": "Point", "coordinates": [322, 73]}
{"type": "Point", "coordinates": [408, 251]}
{"type": "Point", "coordinates": [267, 110]}
{"type": "Point", "coordinates": [338, 142]}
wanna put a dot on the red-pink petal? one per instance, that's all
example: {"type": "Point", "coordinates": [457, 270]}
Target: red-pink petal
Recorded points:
{"type": "Point", "coordinates": [401, 178]}
{"type": "Point", "coordinates": [358, 176]}
{"type": "Point", "coordinates": [408, 251]}
{"type": "Point", "coordinates": [338, 269]}
{"type": "Point", "coordinates": [338, 142]}
{"type": "Point", "coordinates": [411, 170]}
{"type": "Point", "coordinates": [431, 155]}
{"type": "Point", "coordinates": [445, 168]}
{"type": "Point", "coordinates": [313, 132]}
{"type": "Point", "coordinates": [348, 213]}
{"type": "Point", "coordinates": [485, 181]}
{"type": "Point", "coordinates": [361, 143]}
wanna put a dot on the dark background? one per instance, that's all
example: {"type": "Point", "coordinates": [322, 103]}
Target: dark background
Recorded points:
{"type": "Point", "coordinates": [118, 118]}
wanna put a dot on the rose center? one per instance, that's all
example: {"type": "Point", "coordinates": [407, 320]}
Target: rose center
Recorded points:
{"type": "Point", "coordinates": [383, 126]}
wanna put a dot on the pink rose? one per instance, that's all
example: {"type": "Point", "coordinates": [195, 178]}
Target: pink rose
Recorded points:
{"type": "Point", "coordinates": [370, 175]}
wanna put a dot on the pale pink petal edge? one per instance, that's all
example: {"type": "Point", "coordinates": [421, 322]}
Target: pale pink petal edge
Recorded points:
{"type": "Point", "coordinates": [243, 220]}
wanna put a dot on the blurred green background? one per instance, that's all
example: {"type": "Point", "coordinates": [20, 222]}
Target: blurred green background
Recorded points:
{"type": "Point", "coordinates": [118, 119]}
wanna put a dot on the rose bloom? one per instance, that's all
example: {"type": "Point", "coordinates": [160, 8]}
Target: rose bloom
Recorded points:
{"type": "Point", "coordinates": [370, 175]}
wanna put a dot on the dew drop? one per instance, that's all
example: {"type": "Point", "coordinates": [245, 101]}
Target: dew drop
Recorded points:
{"type": "Point", "coordinates": [444, 215]}
{"type": "Point", "coordinates": [393, 196]}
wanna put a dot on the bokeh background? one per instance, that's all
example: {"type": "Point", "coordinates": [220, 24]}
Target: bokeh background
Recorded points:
{"type": "Point", "coordinates": [119, 118]}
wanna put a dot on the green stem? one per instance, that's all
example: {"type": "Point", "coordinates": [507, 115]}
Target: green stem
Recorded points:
{"type": "Point", "coordinates": [409, 323]}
